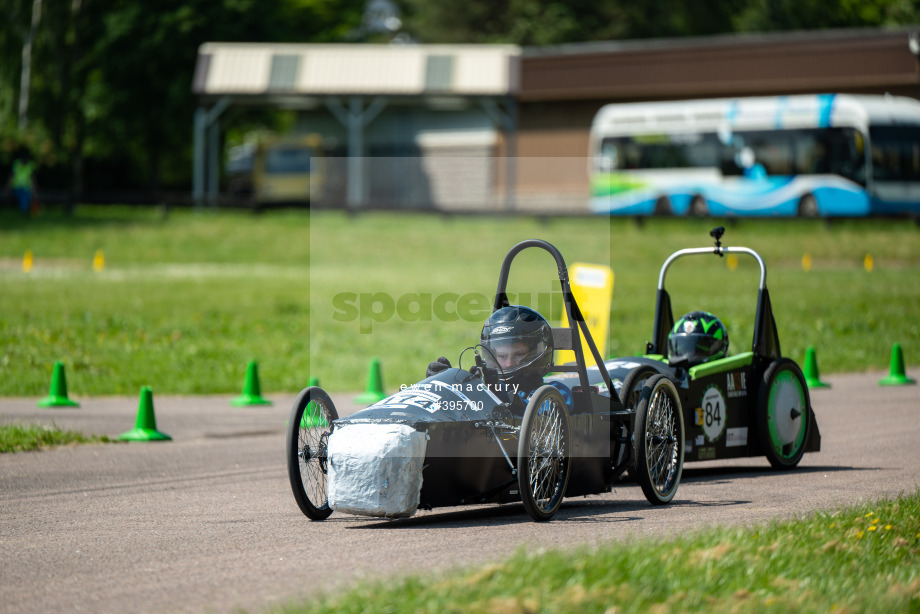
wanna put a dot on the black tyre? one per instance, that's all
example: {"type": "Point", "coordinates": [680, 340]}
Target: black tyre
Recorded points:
{"type": "Point", "coordinates": [629, 397]}
{"type": "Point", "coordinates": [307, 437]}
{"type": "Point", "coordinates": [808, 206]}
{"type": "Point", "coordinates": [782, 413]}
{"type": "Point", "coordinates": [658, 440]}
{"type": "Point", "coordinates": [632, 385]}
{"type": "Point", "coordinates": [663, 206]}
{"type": "Point", "coordinates": [544, 453]}
{"type": "Point", "coordinates": [698, 207]}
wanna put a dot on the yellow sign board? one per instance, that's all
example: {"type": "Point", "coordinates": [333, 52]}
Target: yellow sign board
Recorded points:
{"type": "Point", "coordinates": [592, 286]}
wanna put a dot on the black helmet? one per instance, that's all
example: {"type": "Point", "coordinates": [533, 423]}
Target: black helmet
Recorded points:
{"type": "Point", "coordinates": [518, 342]}
{"type": "Point", "coordinates": [697, 337]}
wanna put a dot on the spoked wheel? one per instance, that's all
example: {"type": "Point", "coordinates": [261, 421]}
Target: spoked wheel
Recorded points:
{"type": "Point", "coordinates": [307, 438]}
{"type": "Point", "coordinates": [629, 396]}
{"type": "Point", "coordinates": [544, 453]}
{"type": "Point", "coordinates": [782, 414]}
{"type": "Point", "coordinates": [658, 440]}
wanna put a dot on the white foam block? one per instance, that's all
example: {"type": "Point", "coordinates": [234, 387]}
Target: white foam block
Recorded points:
{"type": "Point", "coordinates": [375, 469]}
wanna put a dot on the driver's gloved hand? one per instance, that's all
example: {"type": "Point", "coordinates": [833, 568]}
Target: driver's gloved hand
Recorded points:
{"type": "Point", "coordinates": [437, 366]}
{"type": "Point", "coordinates": [475, 371]}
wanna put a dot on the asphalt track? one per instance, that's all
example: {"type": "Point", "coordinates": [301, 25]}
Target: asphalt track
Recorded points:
{"type": "Point", "coordinates": [207, 523]}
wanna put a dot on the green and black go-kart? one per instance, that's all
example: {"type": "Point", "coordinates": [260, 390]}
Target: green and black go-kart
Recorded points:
{"type": "Point", "coordinates": [749, 404]}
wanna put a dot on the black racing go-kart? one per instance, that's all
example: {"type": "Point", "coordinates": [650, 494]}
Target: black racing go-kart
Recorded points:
{"type": "Point", "coordinates": [452, 439]}
{"type": "Point", "coordinates": [750, 404]}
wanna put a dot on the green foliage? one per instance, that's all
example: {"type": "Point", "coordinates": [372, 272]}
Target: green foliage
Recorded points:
{"type": "Point", "coordinates": [550, 22]}
{"type": "Point", "coordinates": [857, 559]}
{"type": "Point", "coordinates": [111, 79]}
{"type": "Point", "coordinates": [16, 437]}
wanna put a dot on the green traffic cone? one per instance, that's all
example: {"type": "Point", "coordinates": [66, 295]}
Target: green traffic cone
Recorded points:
{"type": "Point", "coordinates": [313, 417]}
{"type": "Point", "coordinates": [896, 375]}
{"type": "Point", "coordinates": [374, 390]}
{"type": "Point", "coordinates": [812, 379]}
{"type": "Point", "coordinates": [57, 396]}
{"type": "Point", "coordinates": [145, 427]}
{"type": "Point", "coordinates": [252, 392]}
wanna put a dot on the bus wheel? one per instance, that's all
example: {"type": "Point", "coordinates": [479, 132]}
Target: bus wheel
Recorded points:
{"type": "Point", "coordinates": [698, 207]}
{"type": "Point", "coordinates": [808, 206]}
{"type": "Point", "coordinates": [663, 206]}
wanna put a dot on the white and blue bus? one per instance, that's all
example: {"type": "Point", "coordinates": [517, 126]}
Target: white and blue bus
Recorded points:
{"type": "Point", "coordinates": [818, 155]}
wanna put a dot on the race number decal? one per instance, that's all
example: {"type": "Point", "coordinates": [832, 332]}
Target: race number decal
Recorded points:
{"type": "Point", "coordinates": [712, 413]}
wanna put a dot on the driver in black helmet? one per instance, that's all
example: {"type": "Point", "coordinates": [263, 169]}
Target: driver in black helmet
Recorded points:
{"type": "Point", "coordinates": [517, 342]}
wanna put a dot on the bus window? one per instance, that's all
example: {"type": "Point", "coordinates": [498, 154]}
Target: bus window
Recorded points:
{"type": "Point", "coordinates": [682, 150]}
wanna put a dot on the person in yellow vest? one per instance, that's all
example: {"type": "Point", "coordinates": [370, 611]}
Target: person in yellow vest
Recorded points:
{"type": "Point", "coordinates": [22, 183]}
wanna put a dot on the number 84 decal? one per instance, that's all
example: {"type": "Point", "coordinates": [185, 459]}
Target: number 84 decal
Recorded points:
{"type": "Point", "coordinates": [711, 413]}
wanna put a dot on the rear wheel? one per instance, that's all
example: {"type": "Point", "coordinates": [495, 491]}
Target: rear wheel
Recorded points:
{"type": "Point", "coordinates": [544, 453]}
{"type": "Point", "coordinates": [698, 207]}
{"type": "Point", "coordinates": [632, 385]}
{"type": "Point", "coordinates": [658, 440]}
{"type": "Point", "coordinates": [808, 206]}
{"type": "Point", "coordinates": [629, 396]}
{"type": "Point", "coordinates": [308, 435]}
{"type": "Point", "coordinates": [782, 413]}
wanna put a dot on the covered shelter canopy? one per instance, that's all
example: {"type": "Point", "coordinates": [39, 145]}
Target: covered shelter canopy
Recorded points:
{"type": "Point", "coordinates": [354, 82]}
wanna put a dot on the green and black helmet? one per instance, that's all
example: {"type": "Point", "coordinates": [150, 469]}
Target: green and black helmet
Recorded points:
{"type": "Point", "coordinates": [697, 337]}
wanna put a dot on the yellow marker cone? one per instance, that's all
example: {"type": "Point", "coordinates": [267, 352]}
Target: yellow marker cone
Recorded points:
{"type": "Point", "coordinates": [806, 262]}
{"type": "Point", "coordinates": [868, 263]}
{"type": "Point", "coordinates": [731, 261]}
{"type": "Point", "coordinates": [98, 261]}
{"type": "Point", "coordinates": [27, 261]}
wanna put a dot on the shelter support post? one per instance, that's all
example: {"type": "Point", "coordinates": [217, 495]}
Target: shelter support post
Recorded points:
{"type": "Point", "coordinates": [504, 117]}
{"type": "Point", "coordinates": [355, 119]}
{"type": "Point", "coordinates": [206, 162]}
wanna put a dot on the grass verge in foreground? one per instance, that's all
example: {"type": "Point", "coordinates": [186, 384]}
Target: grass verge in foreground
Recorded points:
{"type": "Point", "coordinates": [856, 559]}
{"type": "Point", "coordinates": [16, 437]}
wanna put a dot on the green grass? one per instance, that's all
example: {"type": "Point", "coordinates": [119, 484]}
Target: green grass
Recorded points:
{"type": "Point", "coordinates": [857, 559]}
{"type": "Point", "coordinates": [187, 299]}
{"type": "Point", "coordinates": [16, 437]}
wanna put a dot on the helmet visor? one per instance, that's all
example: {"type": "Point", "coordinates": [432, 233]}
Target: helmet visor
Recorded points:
{"type": "Point", "coordinates": [511, 354]}
{"type": "Point", "coordinates": [694, 348]}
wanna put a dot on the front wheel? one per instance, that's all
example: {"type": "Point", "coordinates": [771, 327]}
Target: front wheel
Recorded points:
{"type": "Point", "coordinates": [544, 453]}
{"type": "Point", "coordinates": [307, 438]}
{"type": "Point", "coordinates": [782, 413]}
{"type": "Point", "coordinates": [658, 440]}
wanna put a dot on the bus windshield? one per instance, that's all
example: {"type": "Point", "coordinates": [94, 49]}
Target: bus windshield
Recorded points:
{"type": "Point", "coordinates": [895, 153]}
